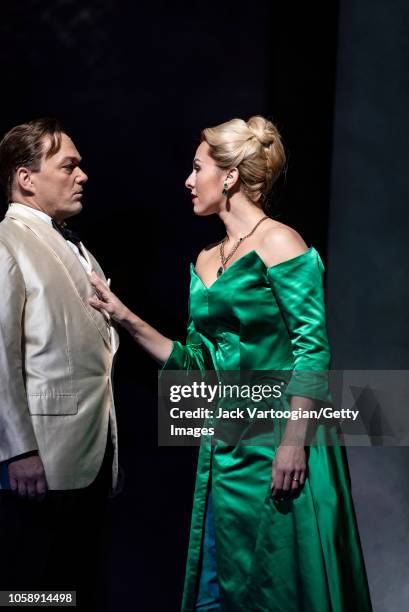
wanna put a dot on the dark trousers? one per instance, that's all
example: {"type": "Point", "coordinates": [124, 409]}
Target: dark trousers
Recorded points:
{"type": "Point", "coordinates": [57, 544]}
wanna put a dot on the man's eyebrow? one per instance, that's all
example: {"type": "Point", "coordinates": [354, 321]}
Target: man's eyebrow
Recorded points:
{"type": "Point", "coordinates": [70, 158]}
{"type": "Point", "coordinates": [196, 159]}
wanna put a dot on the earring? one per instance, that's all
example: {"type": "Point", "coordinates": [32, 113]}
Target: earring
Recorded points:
{"type": "Point", "coordinates": [225, 190]}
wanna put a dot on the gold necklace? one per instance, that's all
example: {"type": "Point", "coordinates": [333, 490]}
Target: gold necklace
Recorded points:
{"type": "Point", "coordinates": [224, 259]}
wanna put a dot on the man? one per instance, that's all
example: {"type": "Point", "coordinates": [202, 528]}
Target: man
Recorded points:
{"type": "Point", "coordinates": [58, 440]}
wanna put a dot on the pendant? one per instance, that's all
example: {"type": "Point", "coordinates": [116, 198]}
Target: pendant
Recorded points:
{"type": "Point", "coordinates": [220, 271]}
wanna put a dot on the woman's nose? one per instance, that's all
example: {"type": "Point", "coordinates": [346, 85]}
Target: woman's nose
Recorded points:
{"type": "Point", "coordinates": [189, 182]}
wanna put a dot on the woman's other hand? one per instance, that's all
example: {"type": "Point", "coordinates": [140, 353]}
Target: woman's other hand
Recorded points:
{"type": "Point", "coordinates": [106, 301]}
{"type": "Point", "coordinates": [288, 474]}
{"type": "Point", "coordinates": [146, 336]}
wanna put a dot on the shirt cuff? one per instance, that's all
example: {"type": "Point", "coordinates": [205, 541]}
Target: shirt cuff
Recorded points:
{"type": "Point", "coordinates": [18, 457]}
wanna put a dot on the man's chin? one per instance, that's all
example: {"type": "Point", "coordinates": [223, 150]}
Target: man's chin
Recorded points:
{"type": "Point", "coordinates": [74, 210]}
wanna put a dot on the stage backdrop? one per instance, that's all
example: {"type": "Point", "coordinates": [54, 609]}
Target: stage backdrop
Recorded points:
{"type": "Point", "coordinates": [368, 273]}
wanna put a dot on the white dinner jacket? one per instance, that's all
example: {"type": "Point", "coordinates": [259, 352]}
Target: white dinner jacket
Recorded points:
{"type": "Point", "coordinates": [56, 355]}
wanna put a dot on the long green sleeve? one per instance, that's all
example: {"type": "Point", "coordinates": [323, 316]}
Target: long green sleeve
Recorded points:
{"type": "Point", "coordinates": [297, 285]}
{"type": "Point", "coordinates": [192, 355]}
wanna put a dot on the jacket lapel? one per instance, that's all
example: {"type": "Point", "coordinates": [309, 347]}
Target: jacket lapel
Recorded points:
{"type": "Point", "coordinates": [94, 265]}
{"type": "Point", "coordinates": [70, 264]}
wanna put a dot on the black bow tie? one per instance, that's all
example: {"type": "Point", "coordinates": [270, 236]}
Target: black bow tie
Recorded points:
{"type": "Point", "coordinates": [67, 233]}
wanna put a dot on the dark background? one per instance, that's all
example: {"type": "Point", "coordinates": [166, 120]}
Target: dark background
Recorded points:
{"type": "Point", "coordinates": [134, 84]}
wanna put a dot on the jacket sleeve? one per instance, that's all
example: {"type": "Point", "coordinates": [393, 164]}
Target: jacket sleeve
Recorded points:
{"type": "Point", "coordinates": [16, 431]}
{"type": "Point", "coordinates": [297, 285]}
{"type": "Point", "coordinates": [192, 355]}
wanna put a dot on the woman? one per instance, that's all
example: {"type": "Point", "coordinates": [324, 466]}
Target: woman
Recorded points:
{"type": "Point", "coordinates": [273, 527]}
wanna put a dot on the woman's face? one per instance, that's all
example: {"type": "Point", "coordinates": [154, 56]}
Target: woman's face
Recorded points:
{"type": "Point", "coordinates": [206, 182]}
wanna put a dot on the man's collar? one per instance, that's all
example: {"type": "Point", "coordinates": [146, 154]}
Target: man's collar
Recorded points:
{"type": "Point", "coordinates": [17, 206]}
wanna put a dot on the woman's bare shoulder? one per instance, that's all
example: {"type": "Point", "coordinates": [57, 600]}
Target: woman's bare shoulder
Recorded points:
{"type": "Point", "coordinates": [280, 242]}
{"type": "Point", "coordinates": [207, 253]}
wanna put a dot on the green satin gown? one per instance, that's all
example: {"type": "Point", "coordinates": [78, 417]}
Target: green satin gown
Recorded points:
{"type": "Point", "coordinates": [298, 556]}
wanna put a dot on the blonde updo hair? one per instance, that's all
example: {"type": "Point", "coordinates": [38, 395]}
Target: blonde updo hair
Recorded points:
{"type": "Point", "coordinates": [254, 148]}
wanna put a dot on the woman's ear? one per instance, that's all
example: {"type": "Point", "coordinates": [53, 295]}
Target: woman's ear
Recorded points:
{"type": "Point", "coordinates": [232, 177]}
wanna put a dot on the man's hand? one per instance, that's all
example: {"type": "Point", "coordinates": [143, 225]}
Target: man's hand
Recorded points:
{"type": "Point", "coordinates": [27, 478]}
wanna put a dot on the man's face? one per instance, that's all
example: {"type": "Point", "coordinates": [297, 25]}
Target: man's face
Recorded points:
{"type": "Point", "coordinates": [58, 185]}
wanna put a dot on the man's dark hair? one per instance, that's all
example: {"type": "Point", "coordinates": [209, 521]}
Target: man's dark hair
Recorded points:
{"type": "Point", "coordinates": [24, 146]}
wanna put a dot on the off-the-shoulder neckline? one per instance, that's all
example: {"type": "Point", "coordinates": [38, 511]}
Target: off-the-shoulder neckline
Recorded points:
{"type": "Point", "coordinates": [245, 256]}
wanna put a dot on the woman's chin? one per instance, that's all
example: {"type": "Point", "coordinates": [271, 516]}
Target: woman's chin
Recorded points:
{"type": "Point", "coordinates": [198, 210]}
{"type": "Point", "coordinates": [201, 211]}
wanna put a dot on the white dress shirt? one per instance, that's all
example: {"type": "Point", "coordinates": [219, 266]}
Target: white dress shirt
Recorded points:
{"type": "Point", "coordinates": [39, 213]}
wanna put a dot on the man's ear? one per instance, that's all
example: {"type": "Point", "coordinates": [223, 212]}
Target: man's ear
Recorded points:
{"type": "Point", "coordinates": [232, 177]}
{"type": "Point", "coordinates": [23, 180]}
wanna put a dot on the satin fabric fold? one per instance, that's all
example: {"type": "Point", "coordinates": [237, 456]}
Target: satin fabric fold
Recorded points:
{"type": "Point", "coordinates": [302, 555]}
